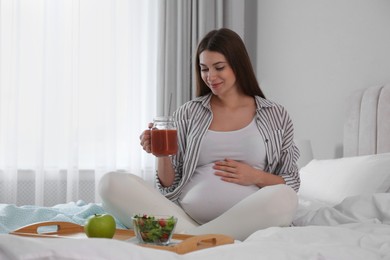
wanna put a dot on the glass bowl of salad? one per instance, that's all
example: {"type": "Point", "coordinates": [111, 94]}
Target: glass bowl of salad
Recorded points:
{"type": "Point", "coordinates": [154, 229]}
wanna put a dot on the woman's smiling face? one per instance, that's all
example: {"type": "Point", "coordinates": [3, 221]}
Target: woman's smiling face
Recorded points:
{"type": "Point", "coordinates": [217, 73]}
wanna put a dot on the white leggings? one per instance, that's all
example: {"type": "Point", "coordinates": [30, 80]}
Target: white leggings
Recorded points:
{"type": "Point", "coordinates": [125, 194]}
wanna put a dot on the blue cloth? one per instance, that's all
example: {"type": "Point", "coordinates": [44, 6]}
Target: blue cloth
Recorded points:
{"type": "Point", "coordinates": [13, 217]}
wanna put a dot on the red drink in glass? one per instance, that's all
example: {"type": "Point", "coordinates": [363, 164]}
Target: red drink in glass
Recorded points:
{"type": "Point", "coordinates": [164, 142]}
{"type": "Point", "coordinates": [164, 136]}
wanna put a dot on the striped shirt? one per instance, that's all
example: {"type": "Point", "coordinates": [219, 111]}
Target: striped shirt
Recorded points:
{"type": "Point", "coordinates": [275, 126]}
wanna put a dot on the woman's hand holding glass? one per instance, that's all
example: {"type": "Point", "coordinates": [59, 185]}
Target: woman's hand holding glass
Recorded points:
{"type": "Point", "coordinates": [165, 171]}
{"type": "Point", "coordinates": [145, 139]}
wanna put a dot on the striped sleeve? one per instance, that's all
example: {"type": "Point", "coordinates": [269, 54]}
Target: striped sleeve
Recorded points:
{"type": "Point", "coordinates": [192, 121]}
{"type": "Point", "coordinates": [283, 150]}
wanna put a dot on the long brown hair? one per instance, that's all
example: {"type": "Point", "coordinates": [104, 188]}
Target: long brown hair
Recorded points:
{"type": "Point", "coordinates": [231, 46]}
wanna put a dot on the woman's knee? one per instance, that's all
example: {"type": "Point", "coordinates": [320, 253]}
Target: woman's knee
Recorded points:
{"type": "Point", "coordinates": [285, 203]}
{"type": "Point", "coordinates": [293, 200]}
{"type": "Point", "coordinates": [115, 182]}
{"type": "Point", "coordinates": [282, 192]}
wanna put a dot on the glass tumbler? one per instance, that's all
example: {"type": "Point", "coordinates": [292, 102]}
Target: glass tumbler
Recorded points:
{"type": "Point", "coordinates": [164, 136]}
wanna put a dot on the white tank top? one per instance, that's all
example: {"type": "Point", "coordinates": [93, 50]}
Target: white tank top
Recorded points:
{"type": "Point", "coordinates": [206, 196]}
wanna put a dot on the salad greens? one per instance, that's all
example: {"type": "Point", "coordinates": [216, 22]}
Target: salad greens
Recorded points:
{"type": "Point", "coordinates": [151, 229]}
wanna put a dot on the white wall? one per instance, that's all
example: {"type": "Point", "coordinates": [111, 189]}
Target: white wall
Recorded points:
{"type": "Point", "coordinates": [312, 54]}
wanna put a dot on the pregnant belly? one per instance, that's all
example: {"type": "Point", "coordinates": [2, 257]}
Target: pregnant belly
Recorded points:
{"type": "Point", "coordinates": [206, 196]}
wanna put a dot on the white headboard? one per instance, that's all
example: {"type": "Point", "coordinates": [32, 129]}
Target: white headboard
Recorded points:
{"type": "Point", "coordinates": [367, 128]}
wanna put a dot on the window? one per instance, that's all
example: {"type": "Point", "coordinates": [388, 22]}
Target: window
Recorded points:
{"type": "Point", "coordinates": [77, 87]}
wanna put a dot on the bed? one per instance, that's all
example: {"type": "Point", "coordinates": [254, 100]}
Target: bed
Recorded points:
{"type": "Point", "coordinates": [344, 208]}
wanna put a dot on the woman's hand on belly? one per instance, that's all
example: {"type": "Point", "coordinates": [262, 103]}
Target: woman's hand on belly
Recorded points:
{"type": "Point", "coordinates": [244, 174]}
{"type": "Point", "coordinates": [237, 172]}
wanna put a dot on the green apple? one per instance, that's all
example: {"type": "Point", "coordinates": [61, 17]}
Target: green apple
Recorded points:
{"type": "Point", "coordinates": [100, 225]}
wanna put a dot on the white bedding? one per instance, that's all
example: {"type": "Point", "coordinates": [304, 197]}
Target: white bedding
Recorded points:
{"type": "Point", "coordinates": [350, 241]}
{"type": "Point", "coordinates": [357, 228]}
{"type": "Point", "coordinates": [365, 208]}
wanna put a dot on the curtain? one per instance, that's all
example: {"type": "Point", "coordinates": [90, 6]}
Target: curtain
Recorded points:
{"type": "Point", "coordinates": [78, 82]}
{"type": "Point", "coordinates": [181, 25]}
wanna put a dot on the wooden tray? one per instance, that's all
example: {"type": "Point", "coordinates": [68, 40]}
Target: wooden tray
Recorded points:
{"type": "Point", "coordinates": [185, 243]}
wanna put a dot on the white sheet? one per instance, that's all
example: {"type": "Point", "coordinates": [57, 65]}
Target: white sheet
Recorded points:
{"type": "Point", "coordinates": [367, 208]}
{"type": "Point", "coordinates": [357, 229]}
{"type": "Point", "coordinates": [350, 241]}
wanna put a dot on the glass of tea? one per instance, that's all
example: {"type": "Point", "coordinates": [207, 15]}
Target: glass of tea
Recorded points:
{"type": "Point", "coordinates": [164, 136]}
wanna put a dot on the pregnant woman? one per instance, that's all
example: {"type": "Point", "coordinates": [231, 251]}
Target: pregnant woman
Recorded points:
{"type": "Point", "coordinates": [235, 171]}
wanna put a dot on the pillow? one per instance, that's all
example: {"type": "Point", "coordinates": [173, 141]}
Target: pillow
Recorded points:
{"type": "Point", "coordinates": [333, 180]}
